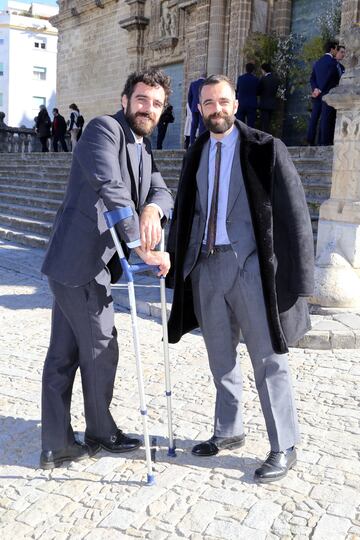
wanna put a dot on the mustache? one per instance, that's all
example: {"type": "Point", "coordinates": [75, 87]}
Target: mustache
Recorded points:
{"type": "Point", "coordinates": [145, 115]}
{"type": "Point", "coordinates": [218, 115]}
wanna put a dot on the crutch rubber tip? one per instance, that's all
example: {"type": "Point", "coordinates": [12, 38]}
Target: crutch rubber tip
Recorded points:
{"type": "Point", "coordinates": [150, 479]}
{"type": "Point", "coordinates": [171, 452]}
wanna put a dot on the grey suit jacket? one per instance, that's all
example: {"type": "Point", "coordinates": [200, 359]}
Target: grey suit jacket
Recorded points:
{"type": "Point", "coordinates": [238, 219]}
{"type": "Point", "coordinates": [104, 175]}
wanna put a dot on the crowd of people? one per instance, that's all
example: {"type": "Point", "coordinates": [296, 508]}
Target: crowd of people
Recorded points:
{"type": "Point", "coordinates": [239, 257]}
{"type": "Point", "coordinates": [57, 128]}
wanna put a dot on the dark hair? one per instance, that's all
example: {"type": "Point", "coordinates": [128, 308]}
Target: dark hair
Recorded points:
{"type": "Point", "coordinates": [55, 110]}
{"type": "Point", "coordinates": [340, 47]}
{"type": "Point", "coordinates": [266, 67]}
{"type": "Point", "coordinates": [250, 67]}
{"type": "Point", "coordinates": [331, 44]}
{"type": "Point", "coordinates": [74, 107]}
{"type": "Point", "coordinates": [150, 77]}
{"type": "Point", "coordinates": [216, 79]}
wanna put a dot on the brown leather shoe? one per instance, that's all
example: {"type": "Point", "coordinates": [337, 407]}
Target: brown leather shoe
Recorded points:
{"type": "Point", "coordinates": [50, 459]}
{"type": "Point", "coordinates": [117, 443]}
{"type": "Point", "coordinates": [215, 444]}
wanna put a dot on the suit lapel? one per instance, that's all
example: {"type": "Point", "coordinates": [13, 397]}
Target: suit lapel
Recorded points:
{"type": "Point", "coordinates": [236, 179]}
{"type": "Point", "coordinates": [202, 177]}
{"type": "Point", "coordinates": [146, 174]}
{"type": "Point", "coordinates": [133, 161]}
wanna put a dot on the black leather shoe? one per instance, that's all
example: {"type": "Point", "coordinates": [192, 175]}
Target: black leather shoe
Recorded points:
{"type": "Point", "coordinates": [50, 459]}
{"type": "Point", "coordinates": [115, 443]}
{"type": "Point", "coordinates": [276, 466]}
{"type": "Point", "coordinates": [215, 444]}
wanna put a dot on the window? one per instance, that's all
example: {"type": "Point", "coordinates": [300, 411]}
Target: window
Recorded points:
{"type": "Point", "coordinates": [1, 69]}
{"type": "Point", "coordinates": [39, 73]}
{"type": "Point", "coordinates": [1, 99]}
{"type": "Point", "coordinates": [40, 44]}
{"type": "Point", "coordinates": [37, 101]}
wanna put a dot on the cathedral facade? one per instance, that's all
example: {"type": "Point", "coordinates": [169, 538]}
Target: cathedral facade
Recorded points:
{"type": "Point", "coordinates": [102, 41]}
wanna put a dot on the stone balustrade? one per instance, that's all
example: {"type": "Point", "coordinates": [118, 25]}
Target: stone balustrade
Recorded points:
{"type": "Point", "coordinates": [18, 140]}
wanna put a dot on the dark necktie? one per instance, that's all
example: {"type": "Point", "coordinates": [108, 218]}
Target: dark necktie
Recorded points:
{"type": "Point", "coordinates": [211, 232]}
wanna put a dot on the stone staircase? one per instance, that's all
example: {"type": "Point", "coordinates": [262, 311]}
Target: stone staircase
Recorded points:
{"type": "Point", "coordinates": [32, 187]}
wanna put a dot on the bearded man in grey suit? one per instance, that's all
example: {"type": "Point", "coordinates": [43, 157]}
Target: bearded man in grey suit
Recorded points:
{"type": "Point", "coordinates": [242, 259]}
{"type": "Point", "coordinates": [112, 167]}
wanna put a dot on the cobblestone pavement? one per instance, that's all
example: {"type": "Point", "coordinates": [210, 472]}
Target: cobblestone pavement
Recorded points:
{"type": "Point", "coordinates": [216, 498]}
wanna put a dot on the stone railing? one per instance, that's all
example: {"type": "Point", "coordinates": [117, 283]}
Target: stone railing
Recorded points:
{"type": "Point", "coordinates": [20, 140]}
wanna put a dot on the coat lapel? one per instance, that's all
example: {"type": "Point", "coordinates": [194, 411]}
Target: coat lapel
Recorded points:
{"type": "Point", "coordinates": [133, 162]}
{"type": "Point", "coordinates": [146, 174]}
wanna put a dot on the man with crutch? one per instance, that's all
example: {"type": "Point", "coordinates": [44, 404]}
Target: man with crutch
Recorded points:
{"type": "Point", "coordinates": [112, 167]}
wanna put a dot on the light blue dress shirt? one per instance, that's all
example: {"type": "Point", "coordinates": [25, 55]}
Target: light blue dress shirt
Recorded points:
{"type": "Point", "coordinates": [228, 144]}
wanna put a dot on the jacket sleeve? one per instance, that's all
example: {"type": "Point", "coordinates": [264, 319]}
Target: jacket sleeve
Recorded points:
{"type": "Point", "coordinates": [291, 208]}
{"type": "Point", "coordinates": [98, 155]}
{"type": "Point", "coordinates": [158, 193]}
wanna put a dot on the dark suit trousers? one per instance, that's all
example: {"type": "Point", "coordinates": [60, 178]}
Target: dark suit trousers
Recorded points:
{"type": "Point", "coordinates": [56, 140]}
{"type": "Point", "coordinates": [265, 119]}
{"type": "Point", "coordinates": [314, 119]}
{"type": "Point", "coordinates": [247, 115]}
{"type": "Point", "coordinates": [196, 123]}
{"type": "Point", "coordinates": [327, 124]}
{"type": "Point", "coordinates": [83, 336]}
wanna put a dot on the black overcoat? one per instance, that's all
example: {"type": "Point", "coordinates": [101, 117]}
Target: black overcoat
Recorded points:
{"type": "Point", "coordinates": [282, 229]}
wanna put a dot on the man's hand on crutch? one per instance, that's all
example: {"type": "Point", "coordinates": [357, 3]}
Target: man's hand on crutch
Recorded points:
{"type": "Point", "coordinates": [150, 236]}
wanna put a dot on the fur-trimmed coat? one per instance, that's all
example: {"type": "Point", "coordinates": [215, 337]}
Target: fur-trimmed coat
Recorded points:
{"type": "Point", "coordinates": [282, 230]}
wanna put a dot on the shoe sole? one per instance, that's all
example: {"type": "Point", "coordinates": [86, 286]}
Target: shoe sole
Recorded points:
{"type": "Point", "coordinates": [60, 462]}
{"type": "Point", "coordinates": [232, 446]}
{"type": "Point", "coordinates": [93, 451]}
{"type": "Point", "coordinates": [260, 480]}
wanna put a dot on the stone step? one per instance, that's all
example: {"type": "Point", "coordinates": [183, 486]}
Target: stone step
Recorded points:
{"type": "Point", "coordinates": [30, 191]}
{"type": "Point", "coordinates": [41, 214]}
{"type": "Point", "coordinates": [33, 174]}
{"type": "Point", "coordinates": [25, 224]}
{"type": "Point", "coordinates": [34, 182]}
{"type": "Point", "coordinates": [22, 237]}
{"type": "Point", "coordinates": [34, 201]}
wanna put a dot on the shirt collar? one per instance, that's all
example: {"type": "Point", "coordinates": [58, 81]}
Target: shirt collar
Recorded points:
{"type": "Point", "coordinates": [228, 140]}
{"type": "Point", "coordinates": [138, 139]}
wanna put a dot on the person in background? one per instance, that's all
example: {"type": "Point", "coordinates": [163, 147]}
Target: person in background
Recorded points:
{"type": "Point", "coordinates": [166, 118]}
{"type": "Point", "coordinates": [43, 127]}
{"type": "Point", "coordinates": [246, 94]}
{"type": "Point", "coordinates": [74, 129]}
{"type": "Point", "coordinates": [197, 125]}
{"type": "Point", "coordinates": [324, 76]}
{"type": "Point", "coordinates": [58, 131]}
{"type": "Point", "coordinates": [267, 91]}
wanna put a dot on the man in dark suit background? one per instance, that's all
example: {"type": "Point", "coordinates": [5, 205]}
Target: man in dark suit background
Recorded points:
{"type": "Point", "coordinates": [193, 101]}
{"type": "Point", "coordinates": [112, 167]}
{"type": "Point", "coordinates": [267, 91]}
{"type": "Point", "coordinates": [58, 131]}
{"type": "Point", "coordinates": [246, 94]}
{"type": "Point", "coordinates": [324, 77]}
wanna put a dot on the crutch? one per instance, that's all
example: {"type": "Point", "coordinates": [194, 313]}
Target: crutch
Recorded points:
{"type": "Point", "coordinates": [171, 450]}
{"type": "Point", "coordinates": [111, 219]}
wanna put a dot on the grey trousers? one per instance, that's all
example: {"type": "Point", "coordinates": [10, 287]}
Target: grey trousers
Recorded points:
{"type": "Point", "coordinates": [83, 336]}
{"type": "Point", "coordinates": [227, 299]}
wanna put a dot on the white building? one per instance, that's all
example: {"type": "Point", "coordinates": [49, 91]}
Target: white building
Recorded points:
{"type": "Point", "coordinates": [28, 49]}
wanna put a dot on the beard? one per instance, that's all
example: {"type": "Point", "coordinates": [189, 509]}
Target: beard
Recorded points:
{"type": "Point", "coordinates": [218, 122]}
{"type": "Point", "coordinates": [142, 124]}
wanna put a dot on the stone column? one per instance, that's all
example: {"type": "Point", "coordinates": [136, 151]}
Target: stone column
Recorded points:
{"type": "Point", "coordinates": [337, 272]}
{"type": "Point", "coordinates": [216, 47]}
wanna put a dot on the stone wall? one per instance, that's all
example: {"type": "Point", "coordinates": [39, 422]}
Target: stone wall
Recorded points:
{"type": "Point", "coordinates": [92, 55]}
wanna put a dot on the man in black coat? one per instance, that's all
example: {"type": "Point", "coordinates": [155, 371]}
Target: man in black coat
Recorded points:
{"type": "Point", "coordinates": [58, 131]}
{"type": "Point", "coordinates": [242, 259]}
{"type": "Point", "coordinates": [246, 94]}
{"type": "Point", "coordinates": [43, 127]}
{"type": "Point", "coordinates": [267, 91]}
